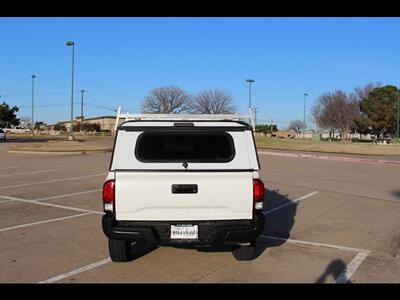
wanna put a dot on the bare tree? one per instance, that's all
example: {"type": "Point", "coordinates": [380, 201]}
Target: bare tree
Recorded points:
{"type": "Point", "coordinates": [336, 110]}
{"type": "Point", "coordinates": [297, 125]}
{"type": "Point", "coordinates": [213, 101]}
{"type": "Point", "coordinates": [24, 122]}
{"type": "Point", "coordinates": [323, 113]}
{"type": "Point", "coordinates": [363, 92]}
{"type": "Point", "coordinates": [167, 100]}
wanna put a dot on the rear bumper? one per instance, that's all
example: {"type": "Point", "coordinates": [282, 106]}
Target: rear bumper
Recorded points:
{"type": "Point", "coordinates": [211, 233]}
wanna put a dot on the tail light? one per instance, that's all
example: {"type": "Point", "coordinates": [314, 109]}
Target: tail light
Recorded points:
{"type": "Point", "coordinates": [258, 193]}
{"type": "Point", "coordinates": [109, 195]}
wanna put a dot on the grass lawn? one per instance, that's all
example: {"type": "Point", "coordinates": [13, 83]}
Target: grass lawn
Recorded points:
{"type": "Point", "coordinates": [18, 136]}
{"type": "Point", "coordinates": [58, 146]}
{"type": "Point", "coordinates": [331, 147]}
{"type": "Point", "coordinates": [78, 137]}
{"type": "Point", "coordinates": [59, 143]}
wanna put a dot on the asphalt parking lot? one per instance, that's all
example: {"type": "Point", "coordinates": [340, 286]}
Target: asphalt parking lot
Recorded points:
{"type": "Point", "coordinates": [326, 221]}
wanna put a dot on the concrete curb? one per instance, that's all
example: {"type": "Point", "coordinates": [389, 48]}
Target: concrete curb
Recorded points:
{"type": "Point", "coordinates": [74, 152]}
{"type": "Point", "coordinates": [335, 158]}
{"type": "Point", "coordinates": [324, 152]}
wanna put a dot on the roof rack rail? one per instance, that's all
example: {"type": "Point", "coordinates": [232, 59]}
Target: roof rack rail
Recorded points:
{"type": "Point", "coordinates": [234, 117]}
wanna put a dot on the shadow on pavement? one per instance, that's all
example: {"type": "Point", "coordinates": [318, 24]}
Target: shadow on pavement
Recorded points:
{"type": "Point", "coordinates": [335, 268]}
{"type": "Point", "coordinates": [278, 223]}
{"type": "Point", "coordinates": [396, 194]}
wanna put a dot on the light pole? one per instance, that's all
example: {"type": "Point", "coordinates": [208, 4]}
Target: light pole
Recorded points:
{"type": "Point", "coordinates": [71, 130]}
{"type": "Point", "coordinates": [304, 113]}
{"type": "Point", "coordinates": [255, 116]}
{"type": "Point", "coordinates": [250, 81]}
{"type": "Point", "coordinates": [82, 91]}
{"type": "Point", "coordinates": [398, 117]}
{"type": "Point", "coordinates": [33, 92]}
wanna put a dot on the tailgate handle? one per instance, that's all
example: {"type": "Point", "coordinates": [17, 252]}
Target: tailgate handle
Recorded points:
{"type": "Point", "coordinates": [184, 189]}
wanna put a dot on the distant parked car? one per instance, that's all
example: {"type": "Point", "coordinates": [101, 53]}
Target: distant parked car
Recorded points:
{"type": "Point", "coordinates": [2, 135]}
{"type": "Point", "coordinates": [17, 129]}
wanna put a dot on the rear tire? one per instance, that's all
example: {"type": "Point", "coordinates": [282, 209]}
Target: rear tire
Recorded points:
{"type": "Point", "coordinates": [120, 251]}
{"type": "Point", "coordinates": [246, 252]}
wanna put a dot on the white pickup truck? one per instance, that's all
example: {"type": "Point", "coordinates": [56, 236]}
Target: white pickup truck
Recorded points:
{"type": "Point", "coordinates": [192, 183]}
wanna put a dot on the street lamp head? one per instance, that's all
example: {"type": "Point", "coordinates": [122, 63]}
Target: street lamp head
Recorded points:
{"type": "Point", "coordinates": [305, 94]}
{"type": "Point", "coordinates": [33, 76]}
{"type": "Point", "coordinates": [69, 43]}
{"type": "Point", "coordinates": [250, 80]}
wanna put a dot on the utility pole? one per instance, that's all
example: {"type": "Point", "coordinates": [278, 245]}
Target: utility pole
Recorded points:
{"type": "Point", "coordinates": [271, 128]}
{"type": "Point", "coordinates": [33, 92]}
{"type": "Point", "coordinates": [71, 129]}
{"type": "Point", "coordinates": [304, 114]}
{"type": "Point", "coordinates": [250, 81]}
{"type": "Point", "coordinates": [255, 116]}
{"type": "Point", "coordinates": [398, 117]}
{"type": "Point", "coordinates": [82, 91]}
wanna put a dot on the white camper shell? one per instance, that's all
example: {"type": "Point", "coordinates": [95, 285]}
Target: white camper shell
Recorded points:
{"type": "Point", "coordinates": [143, 188]}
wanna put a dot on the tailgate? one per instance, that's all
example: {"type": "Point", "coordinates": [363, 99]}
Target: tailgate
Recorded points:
{"type": "Point", "coordinates": [150, 196]}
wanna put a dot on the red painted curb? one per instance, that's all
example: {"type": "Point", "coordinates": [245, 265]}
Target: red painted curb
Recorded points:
{"type": "Point", "coordinates": [337, 158]}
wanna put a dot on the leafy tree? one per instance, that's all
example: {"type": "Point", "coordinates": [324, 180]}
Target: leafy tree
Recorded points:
{"type": "Point", "coordinates": [379, 111]}
{"type": "Point", "coordinates": [362, 125]}
{"type": "Point", "coordinates": [167, 100]}
{"type": "Point", "coordinates": [7, 116]}
{"type": "Point", "coordinates": [59, 127]}
{"type": "Point", "coordinates": [39, 125]}
{"type": "Point", "coordinates": [363, 92]}
{"type": "Point", "coordinates": [266, 129]}
{"type": "Point", "coordinates": [213, 101]}
{"type": "Point", "coordinates": [87, 127]}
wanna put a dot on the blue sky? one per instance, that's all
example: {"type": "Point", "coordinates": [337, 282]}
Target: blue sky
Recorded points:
{"type": "Point", "coordinates": [119, 60]}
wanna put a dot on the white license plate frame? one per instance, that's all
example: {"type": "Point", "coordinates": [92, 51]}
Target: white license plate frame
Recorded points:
{"type": "Point", "coordinates": [184, 232]}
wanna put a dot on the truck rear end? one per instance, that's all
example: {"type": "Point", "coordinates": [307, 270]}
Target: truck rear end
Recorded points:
{"type": "Point", "coordinates": [183, 183]}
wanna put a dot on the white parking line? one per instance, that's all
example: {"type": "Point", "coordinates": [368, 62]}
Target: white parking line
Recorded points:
{"type": "Point", "coordinates": [51, 205]}
{"type": "Point", "coordinates": [345, 276]}
{"type": "Point", "coordinates": [77, 271]}
{"type": "Point", "coordinates": [350, 269]}
{"type": "Point", "coordinates": [314, 244]}
{"type": "Point", "coordinates": [42, 222]}
{"type": "Point", "coordinates": [6, 168]}
{"type": "Point", "coordinates": [29, 173]}
{"type": "Point", "coordinates": [291, 203]}
{"type": "Point", "coordinates": [342, 278]}
{"type": "Point", "coordinates": [4, 201]}
{"type": "Point", "coordinates": [67, 195]}
{"type": "Point", "coordinates": [51, 181]}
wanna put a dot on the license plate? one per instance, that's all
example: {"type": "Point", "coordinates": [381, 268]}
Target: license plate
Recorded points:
{"type": "Point", "coordinates": [184, 231]}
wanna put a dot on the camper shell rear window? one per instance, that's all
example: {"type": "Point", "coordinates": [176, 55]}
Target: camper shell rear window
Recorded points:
{"type": "Point", "coordinates": [207, 147]}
